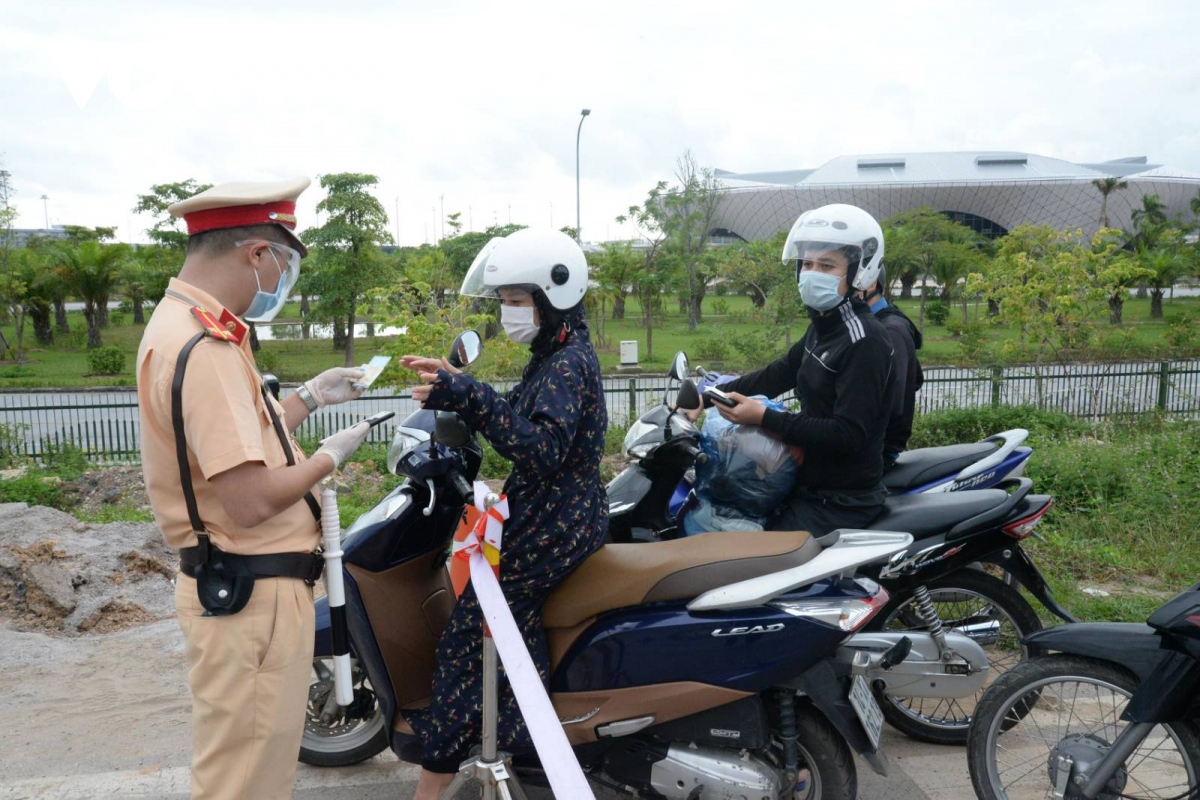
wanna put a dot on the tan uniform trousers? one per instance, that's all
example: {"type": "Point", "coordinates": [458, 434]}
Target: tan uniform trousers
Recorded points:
{"type": "Point", "coordinates": [249, 674]}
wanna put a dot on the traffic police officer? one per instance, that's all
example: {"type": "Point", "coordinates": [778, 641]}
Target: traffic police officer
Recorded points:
{"type": "Point", "coordinates": [231, 489]}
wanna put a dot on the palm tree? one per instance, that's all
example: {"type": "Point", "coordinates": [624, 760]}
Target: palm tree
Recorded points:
{"type": "Point", "coordinates": [1166, 267]}
{"type": "Point", "coordinates": [1151, 215]}
{"type": "Point", "coordinates": [93, 272]}
{"type": "Point", "coordinates": [1107, 186]}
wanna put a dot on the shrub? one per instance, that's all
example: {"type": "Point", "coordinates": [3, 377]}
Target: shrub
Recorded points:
{"type": "Point", "coordinates": [757, 347]}
{"type": "Point", "coordinates": [64, 460]}
{"type": "Point", "coordinates": [267, 361]}
{"type": "Point", "coordinates": [34, 488]}
{"type": "Point", "coordinates": [937, 312]}
{"type": "Point", "coordinates": [720, 307]}
{"type": "Point", "coordinates": [1181, 332]}
{"type": "Point", "coordinates": [962, 425]}
{"type": "Point", "coordinates": [108, 360]}
{"type": "Point", "coordinates": [117, 318]}
{"type": "Point", "coordinates": [712, 348]}
{"type": "Point", "coordinates": [12, 444]}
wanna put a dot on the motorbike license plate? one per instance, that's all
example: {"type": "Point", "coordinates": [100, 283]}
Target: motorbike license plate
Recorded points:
{"type": "Point", "coordinates": [868, 711]}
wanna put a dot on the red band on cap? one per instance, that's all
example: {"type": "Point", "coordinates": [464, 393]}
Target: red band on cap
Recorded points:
{"type": "Point", "coordinates": [242, 216]}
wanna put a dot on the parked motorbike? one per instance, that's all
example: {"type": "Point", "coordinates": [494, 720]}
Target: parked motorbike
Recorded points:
{"type": "Point", "coordinates": [935, 586]}
{"type": "Point", "coordinates": [769, 688]}
{"type": "Point", "coordinates": [1114, 713]}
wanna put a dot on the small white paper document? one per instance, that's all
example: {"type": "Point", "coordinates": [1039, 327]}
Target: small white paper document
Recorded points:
{"type": "Point", "coordinates": [373, 368]}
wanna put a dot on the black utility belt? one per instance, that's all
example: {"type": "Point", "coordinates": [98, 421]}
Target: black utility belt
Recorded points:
{"type": "Point", "coordinates": [305, 566]}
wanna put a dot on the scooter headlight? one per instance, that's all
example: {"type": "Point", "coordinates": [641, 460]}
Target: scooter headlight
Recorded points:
{"type": "Point", "coordinates": [404, 440]}
{"type": "Point", "coordinates": [641, 439]}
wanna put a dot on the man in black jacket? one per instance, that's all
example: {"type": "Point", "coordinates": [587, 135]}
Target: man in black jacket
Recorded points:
{"type": "Point", "coordinates": [841, 372]}
{"type": "Point", "coordinates": [906, 341]}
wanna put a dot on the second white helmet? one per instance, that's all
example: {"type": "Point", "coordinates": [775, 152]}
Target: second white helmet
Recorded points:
{"type": "Point", "coordinates": [839, 227]}
{"type": "Point", "coordinates": [533, 258]}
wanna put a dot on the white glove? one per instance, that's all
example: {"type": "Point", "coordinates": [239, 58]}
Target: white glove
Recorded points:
{"type": "Point", "coordinates": [342, 444]}
{"type": "Point", "coordinates": [335, 386]}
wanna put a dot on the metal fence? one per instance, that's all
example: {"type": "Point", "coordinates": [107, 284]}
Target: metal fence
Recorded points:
{"type": "Point", "coordinates": [105, 425]}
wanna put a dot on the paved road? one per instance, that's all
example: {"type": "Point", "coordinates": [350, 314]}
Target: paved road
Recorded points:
{"type": "Point", "coordinates": [100, 717]}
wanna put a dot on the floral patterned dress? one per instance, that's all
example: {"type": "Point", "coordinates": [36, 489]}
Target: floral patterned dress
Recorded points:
{"type": "Point", "coordinates": [551, 426]}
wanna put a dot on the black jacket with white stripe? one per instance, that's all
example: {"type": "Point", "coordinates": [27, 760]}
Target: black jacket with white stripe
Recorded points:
{"type": "Point", "coordinates": [842, 373]}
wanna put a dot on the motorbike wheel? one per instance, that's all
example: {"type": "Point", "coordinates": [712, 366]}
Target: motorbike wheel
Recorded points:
{"type": "Point", "coordinates": [1030, 710]}
{"type": "Point", "coordinates": [965, 597]}
{"type": "Point", "coordinates": [340, 739]}
{"type": "Point", "coordinates": [826, 756]}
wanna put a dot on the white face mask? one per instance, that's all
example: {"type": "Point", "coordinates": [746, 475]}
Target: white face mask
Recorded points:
{"type": "Point", "coordinates": [518, 323]}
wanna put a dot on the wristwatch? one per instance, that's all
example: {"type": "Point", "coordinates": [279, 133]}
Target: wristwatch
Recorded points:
{"type": "Point", "coordinates": [309, 401]}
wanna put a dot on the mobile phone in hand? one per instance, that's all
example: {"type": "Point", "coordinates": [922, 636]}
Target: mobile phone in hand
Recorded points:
{"type": "Point", "coordinates": [717, 396]}
{"type": "Point", "coordinates": [375, 419]}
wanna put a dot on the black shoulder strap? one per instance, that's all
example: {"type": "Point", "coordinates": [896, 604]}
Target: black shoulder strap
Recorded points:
{"type": "Point", "coordinates": [185, 473]}
{"type": "Point", "coordinates": [286, 444]}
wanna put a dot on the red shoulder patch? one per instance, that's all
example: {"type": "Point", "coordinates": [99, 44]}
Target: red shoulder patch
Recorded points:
{"type": "Point", "coordinates": [211, 325]}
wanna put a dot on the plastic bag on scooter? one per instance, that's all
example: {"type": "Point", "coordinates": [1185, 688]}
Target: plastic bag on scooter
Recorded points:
{"type": "Point", "coordinates": [748, 475]}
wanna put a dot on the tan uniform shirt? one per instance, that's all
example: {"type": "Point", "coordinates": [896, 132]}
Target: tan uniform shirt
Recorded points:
{"type": "Point", "coordinates": [225, 423]}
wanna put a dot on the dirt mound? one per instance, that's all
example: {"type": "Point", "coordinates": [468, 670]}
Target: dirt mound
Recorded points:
{"type": "Point", "coordinates": [59, 574]}
{"type": "Point", "coordinates": [93, 490]}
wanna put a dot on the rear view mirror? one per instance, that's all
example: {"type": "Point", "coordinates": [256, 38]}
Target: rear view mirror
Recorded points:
{"type": "Point", "coordinates": [466, 348]}
{"type": "Point", "coordinates": [688, 397]}
{"type": "Point", "coordinates": [450, 429]}
{"type": "Point", "coordinates": [679, 367]}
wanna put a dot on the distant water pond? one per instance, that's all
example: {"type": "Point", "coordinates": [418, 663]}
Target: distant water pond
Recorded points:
{"type": "Point", "coordinates": [294, 331]}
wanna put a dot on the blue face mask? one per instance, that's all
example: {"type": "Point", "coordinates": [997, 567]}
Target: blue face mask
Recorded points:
{"type": "Point", "coordinates": [820, 291]}
{"type": "Point", "coordinates": [264, 306]}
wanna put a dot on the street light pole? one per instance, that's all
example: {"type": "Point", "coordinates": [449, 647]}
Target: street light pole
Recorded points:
{"type": "Point", "coordinates": [578, 224]}
{"type": "Point", "coordinates": [46, 209]}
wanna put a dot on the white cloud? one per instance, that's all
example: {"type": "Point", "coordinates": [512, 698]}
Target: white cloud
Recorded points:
{"type": "Point", "coordinates": [479, 102]}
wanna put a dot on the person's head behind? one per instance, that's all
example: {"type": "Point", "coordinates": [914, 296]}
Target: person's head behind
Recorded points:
{"type": "Point", "coordinates": [837, 248]}
{"type": "Point", "coordinates": [541, 270]}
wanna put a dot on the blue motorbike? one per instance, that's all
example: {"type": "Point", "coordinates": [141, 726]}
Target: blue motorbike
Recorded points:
{"type": "Point", "coordinates": [722, 665]}
{"type": "Point", "coordinates": [941, 583]}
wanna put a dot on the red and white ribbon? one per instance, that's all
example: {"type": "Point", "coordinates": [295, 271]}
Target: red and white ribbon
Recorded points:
{"type": "Point", "coordinates": [558, 760]}
{"type": "Point", "coordinates": [488, 531]}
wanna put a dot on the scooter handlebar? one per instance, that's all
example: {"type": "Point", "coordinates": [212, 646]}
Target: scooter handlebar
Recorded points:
{"type": "Point", "coordinates": [463, 487]}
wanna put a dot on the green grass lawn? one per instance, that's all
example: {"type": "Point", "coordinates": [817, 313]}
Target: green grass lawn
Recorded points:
{"type": "Point", "coordinates": [729, 337]}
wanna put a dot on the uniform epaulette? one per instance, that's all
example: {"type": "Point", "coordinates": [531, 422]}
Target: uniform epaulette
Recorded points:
{"type": "Point", "coordinates": [229, 328]}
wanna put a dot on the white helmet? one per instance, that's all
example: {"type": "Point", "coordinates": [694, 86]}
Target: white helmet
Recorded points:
{"type": "Point", "coordinates": [532, 258]}
{"type": "Point", "coordinates": [839, 227]}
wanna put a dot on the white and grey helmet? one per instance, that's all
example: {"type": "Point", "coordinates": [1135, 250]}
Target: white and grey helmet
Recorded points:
{"type": "Point", "coordinates": [839, 227]}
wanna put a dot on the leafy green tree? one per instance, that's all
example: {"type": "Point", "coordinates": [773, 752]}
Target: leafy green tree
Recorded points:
{"type": "Point", "coordinates": [755, 267]}
{"type": "Point", "coordinates": [1115, 269]}
{"type": "Point", "coordinates": [12, 285]}
{"type": "Point", "coordinates": [1107, 186]}
{"type": "Point", "coordinates": [930, 242]}
{"type": "Point", "coordinates": [38, 282]}
{"type": "Point", "coordinates": [352, 264]}
{"type": "Point", "coordinates": [93, 271]}
{"type": "Point", "coordinates": [168, 230]}
{"type": "Point", "coordinates": [78, 234]}
{"type": "Point", "coordinates": [651, 278]}
{"type": "Point", "coordinates": [614, 269]}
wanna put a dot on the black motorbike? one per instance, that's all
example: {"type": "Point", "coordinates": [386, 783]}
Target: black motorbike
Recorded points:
{"type": "Point", "coordinates": [1114, 713]}
{"type": "Point", "coordinates": [942, 583]}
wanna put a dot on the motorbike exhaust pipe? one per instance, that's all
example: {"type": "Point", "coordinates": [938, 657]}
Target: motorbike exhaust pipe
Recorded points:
{"type": "Point", "coordinates": [331, 531]}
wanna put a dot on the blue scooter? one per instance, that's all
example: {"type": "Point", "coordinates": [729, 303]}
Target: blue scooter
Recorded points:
{"type": "Point", "coordinates": [936, 586]}
{"type": "Point", "coordinates": [713, 666]}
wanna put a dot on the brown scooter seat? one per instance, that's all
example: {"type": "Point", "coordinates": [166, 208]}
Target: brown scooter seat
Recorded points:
{"type": "Point", "coordinates": [622, 575]}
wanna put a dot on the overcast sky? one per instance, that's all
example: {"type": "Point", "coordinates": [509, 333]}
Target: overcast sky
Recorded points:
{"type": "Point", "coordinates": [479, 101]}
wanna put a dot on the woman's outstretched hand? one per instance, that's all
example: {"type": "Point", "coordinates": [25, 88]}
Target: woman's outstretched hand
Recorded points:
{"type": "Point", "coordinates": [427, 371]}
